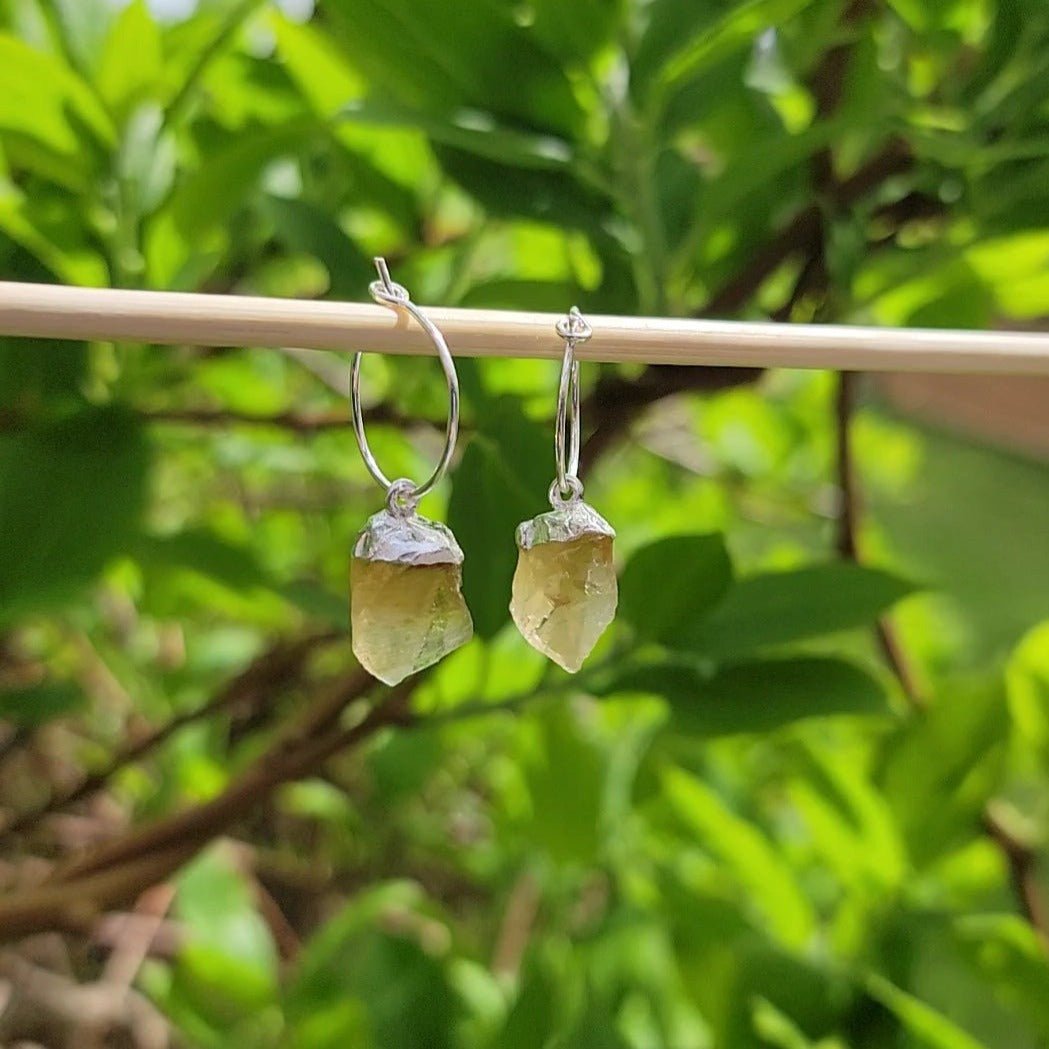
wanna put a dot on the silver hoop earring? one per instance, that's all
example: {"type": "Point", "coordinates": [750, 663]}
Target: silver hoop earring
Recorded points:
{"type": "Point", "coordinates": [565, 590]}
{"type": "Point", "coordinates": [406, 605]}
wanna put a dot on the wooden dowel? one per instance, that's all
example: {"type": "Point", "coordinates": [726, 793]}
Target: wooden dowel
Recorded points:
{"type": "Point", "coordinates": [176, 318]}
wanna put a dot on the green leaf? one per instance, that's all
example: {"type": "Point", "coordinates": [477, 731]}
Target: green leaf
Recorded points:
{"type": "Point", "coordinates": [46, 101]}
{"type": "Point", "coordinates": [147, 160]}
{"type": "Point", "coordinates": [782, 607]}
{"type": "Point", "coordinates": [748, 856]}
{"type": "Point", "coordinates": [305, 227]}
{"type": "Point", "coordinates": [940, 769]}
{"type": "Point", "coordinates": [217, 909]}
{"type": "Point", "coordinates": [314, 62]}
{"type": "Point", "coordinates": [444, 56]}
{"type": "Point", "coordinates": [532, 192]}
{"type": "Point", "coordinates": [926, 1025]}
{"type": "Point", "coordinates": [227, 967]}
{"type": "Point", "coordinates": [376, 967]}
{"type": "Point", "coordinates": [471, 131]}
{"type": "Point", "coordinates": [226, 181]}
{"type": "Point", "coordinates": [566, 783]}
{"type": "Point", "coordinates": [1028, 685]}
{"type": "Point", "coordinates": [532, 1019]}
{"type": "Point", "coordinates": [132, 62]}
{"type": "Point", "coordinates": [735, 29]}
{"type": "Point", "coordinates": [777, 1029]}
{"type": "Point", "coordinates": [200, 550]}
{"type": "Point", "coordinates": [752, 697]}
{"type": "Point", "coordinates": [671, 583]}
{"type": "Point", "coordinates": [501, 481]}
{"type": "Point", "coordinates": [40, 373]}
{"type": "Point", "coordinates": [84, 27]}
{"type": "Point", "coordinates": [1009, 957]}
{"type": "Point", "coordinates": [575, 32]}
{"type": "Point", "coordinates": [71, 494]}
{"type": "Point", "coordinates": [38, 704]}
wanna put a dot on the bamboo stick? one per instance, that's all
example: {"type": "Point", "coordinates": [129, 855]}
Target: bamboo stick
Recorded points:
{"type": "Point", "coordinates": [177, 318]}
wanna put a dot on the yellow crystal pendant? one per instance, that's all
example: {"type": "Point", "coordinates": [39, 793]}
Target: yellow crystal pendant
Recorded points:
{"type": "Point", "coordinates": [565, 590]}
{"type": "Point", "coordinates": [406, 604]}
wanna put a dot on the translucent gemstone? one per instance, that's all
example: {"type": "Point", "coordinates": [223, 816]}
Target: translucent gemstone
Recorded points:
{"type": "Point", "coordinates": [405, 617]}
{"type": "Point", "coordinates": [564, 595]}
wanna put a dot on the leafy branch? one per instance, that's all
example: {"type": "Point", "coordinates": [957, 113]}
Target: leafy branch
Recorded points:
{"type": "Point", "coordinates": [1020, 858]}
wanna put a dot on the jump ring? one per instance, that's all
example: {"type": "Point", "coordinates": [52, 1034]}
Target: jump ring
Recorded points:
{"type": "Point", "coordinates": [387, 293]}
{"type": "Point", "coordinates": [557, 496]}
{"type": "Point", "coordinates": [400, 497]}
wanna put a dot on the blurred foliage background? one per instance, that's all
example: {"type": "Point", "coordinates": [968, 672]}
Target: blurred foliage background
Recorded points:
{"type": "Point", "coordinates": [764, 814]}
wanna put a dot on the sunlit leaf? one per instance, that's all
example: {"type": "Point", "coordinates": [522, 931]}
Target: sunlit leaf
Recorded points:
{"type": "Point", "coordinates": [749, 857]}
{"type": "Point", "coordinates": [752, 697]}
{"type": "Point", "coordinates": [228, 180]}
{"type": "Point", "coordinates": [132, 61]}
{"type": "Point", "coordinates": [446, 56]}
{"type": "Point", "coordinates": [944, 766]}
{"type": "Point", "coordinates": [735, 28]}
{"type": "Point", "coordinates": [670, 584]}
{"type": "Point", "coordinates": [923, 1023]}
{"type": "Point", "coordinates": [46, 101]}
{"type": "Point", "coordinates": [304, 227]}
{"type": "Point", "coordinates": [763, 611]}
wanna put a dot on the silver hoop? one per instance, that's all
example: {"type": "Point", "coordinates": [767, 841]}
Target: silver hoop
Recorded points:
{"type": "Point", "coordinates": [568, 488]}
{"type": "Point", "coordinates": [402, 494]}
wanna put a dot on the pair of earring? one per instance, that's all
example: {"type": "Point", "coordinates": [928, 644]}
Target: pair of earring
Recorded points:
{"type": "Point", "coordinates": [406, 604]}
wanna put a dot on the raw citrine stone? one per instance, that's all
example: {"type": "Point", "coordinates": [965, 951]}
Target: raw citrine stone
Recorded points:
{"type": "Point", "coordinates": [405, 617]}
{"type": "Point", "coordinates": [564, 589]}
{"type": "Point", "coordinates": [406, 604]}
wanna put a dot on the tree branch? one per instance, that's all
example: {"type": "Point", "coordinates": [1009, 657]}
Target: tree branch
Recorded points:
{"type": "Point", "coordinates": [265, 677]}
{"type": "Point", "coordinates": [297, 422]}
{"type": "Point", "coordinates": [1022, 861]}
{"type": "Point", "coordinates": [117, 872]}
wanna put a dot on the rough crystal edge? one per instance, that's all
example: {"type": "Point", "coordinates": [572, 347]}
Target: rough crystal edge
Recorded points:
{"type": "Point", "coordinates": [410, 540]}
{"type": "Point", "coordinates": [574, 521]}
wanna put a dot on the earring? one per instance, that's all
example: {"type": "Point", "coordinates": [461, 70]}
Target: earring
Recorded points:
{"type": "Point", "coordinates": [564, 589]}
{"type": "Point", "coordinates": [406, 604]}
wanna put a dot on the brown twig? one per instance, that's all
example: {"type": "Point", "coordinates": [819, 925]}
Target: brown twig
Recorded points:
{"type": "Point", "coordinates": [133, 947]}
{"type": "Point", "coordinates": [283, 932]}
{"type": "Point", "coordinates": [850, 509]}
{"type": "Point", "coordinates": [1022, 861]}
{"type": "Point", "coordinates": [76, 1014]}
{"type": "Point", "coordinates": [298, 422]}
{"type": "Point", "coordinates": [518, 922]}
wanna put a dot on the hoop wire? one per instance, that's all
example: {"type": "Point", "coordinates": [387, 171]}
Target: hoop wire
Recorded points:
{"type": "Point", "coordinates": [573, 329]}
{"type": "Point", "coordinates": [402, 494]}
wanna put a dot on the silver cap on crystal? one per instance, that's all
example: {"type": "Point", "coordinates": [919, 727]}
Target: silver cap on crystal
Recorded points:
{"type": "Point", "coordinates": [574, 520]}
{"type": "Point", "coordinates": [407, 539]}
